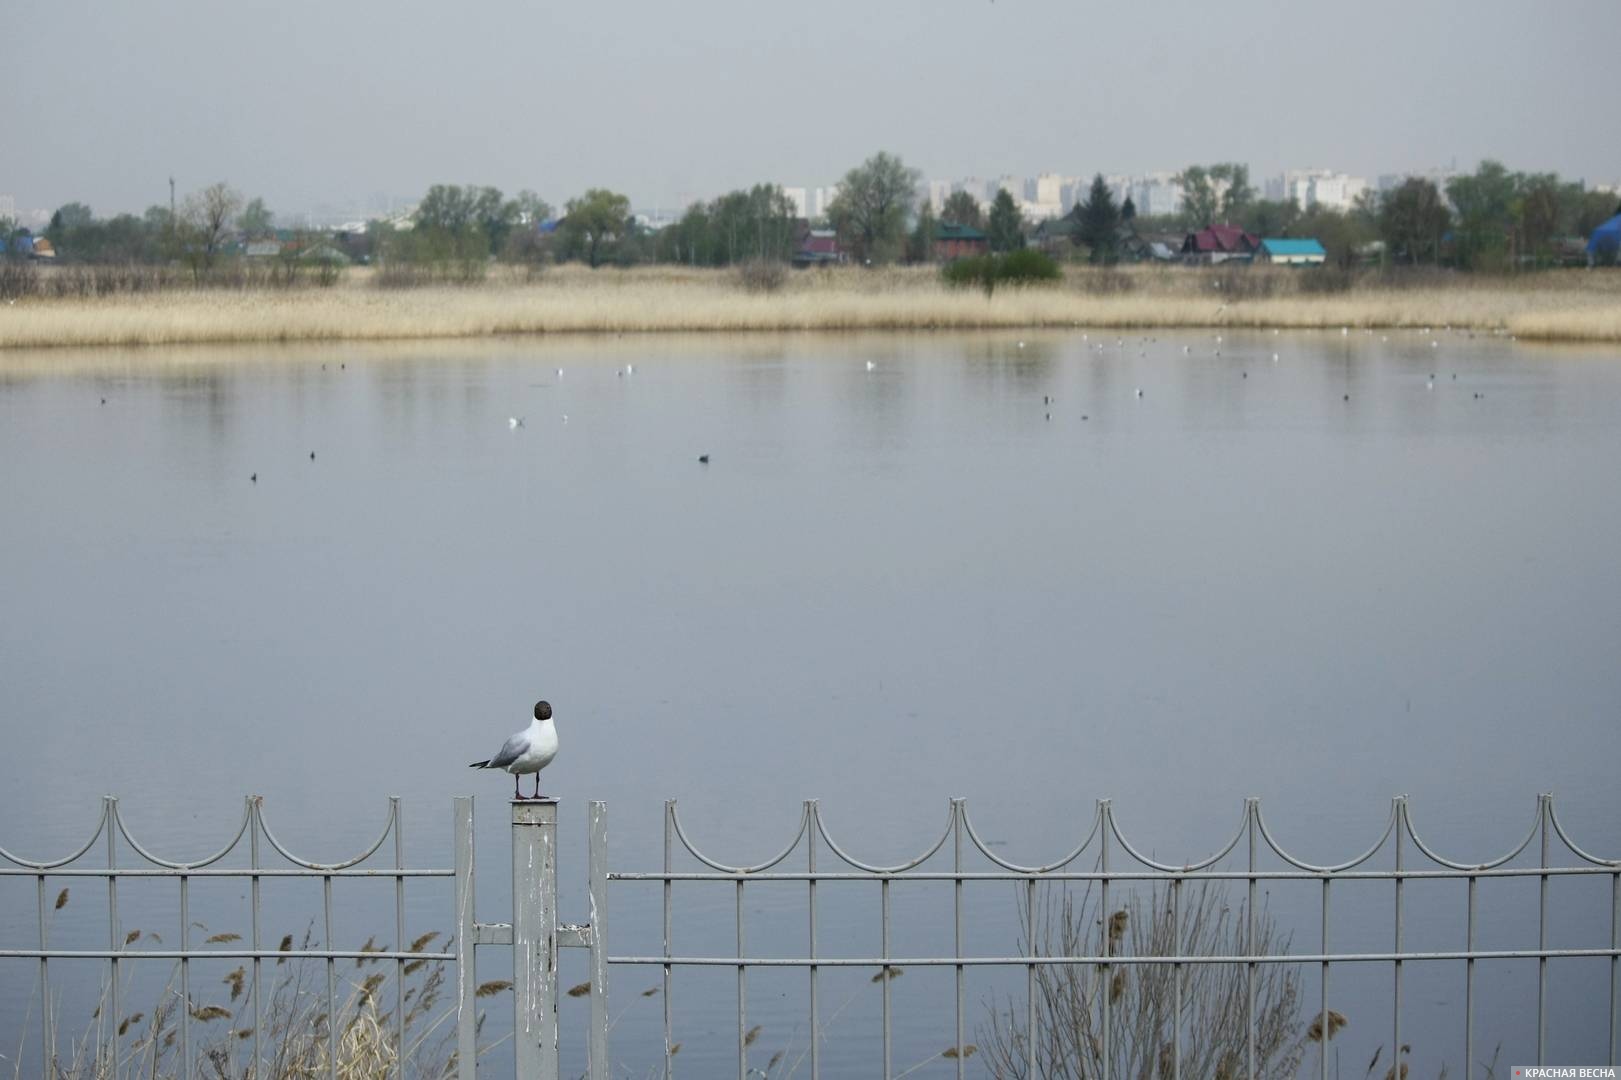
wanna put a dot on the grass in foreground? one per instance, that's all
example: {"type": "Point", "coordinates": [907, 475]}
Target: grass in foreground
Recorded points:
{"type": "Point", "coordinates": [1553, 306]}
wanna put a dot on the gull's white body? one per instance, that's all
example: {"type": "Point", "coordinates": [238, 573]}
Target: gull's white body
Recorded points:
{"type": "Point", "coordinates": [529, 751]}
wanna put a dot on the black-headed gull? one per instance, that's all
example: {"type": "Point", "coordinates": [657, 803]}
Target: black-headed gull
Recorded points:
{"type": "Point", "coordinates": [529, 751]}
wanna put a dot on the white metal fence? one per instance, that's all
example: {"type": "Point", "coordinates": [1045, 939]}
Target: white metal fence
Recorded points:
{"type": "Point", "coordinates": [536, 933]}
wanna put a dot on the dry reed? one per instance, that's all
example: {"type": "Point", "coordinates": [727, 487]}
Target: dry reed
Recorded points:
{"type": "Point", "coordinates": [1556, 305]}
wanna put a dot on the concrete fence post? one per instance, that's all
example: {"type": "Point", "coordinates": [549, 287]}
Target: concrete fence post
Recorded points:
{"type": "Point", "coordinates": [534, 937]}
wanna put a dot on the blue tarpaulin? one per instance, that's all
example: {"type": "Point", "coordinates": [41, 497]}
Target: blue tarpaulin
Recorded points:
{"type": "Point", "coordinates": [1606, 238]}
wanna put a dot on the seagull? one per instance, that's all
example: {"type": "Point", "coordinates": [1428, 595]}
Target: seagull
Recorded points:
{"type": "Point", "coordinates": [703, 459]}
{"type": "Point", "coordinates": [871, 366]}
{"type": "Point", "coordinates": [529, 751]}
{"type": "Point", "coordinates": [514, 421]}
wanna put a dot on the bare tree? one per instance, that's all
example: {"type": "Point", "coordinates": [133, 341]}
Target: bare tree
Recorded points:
{"type": "Point", "coordinates": [207, 215]}
{"type": "Point", "coordinates": [1142, 998]}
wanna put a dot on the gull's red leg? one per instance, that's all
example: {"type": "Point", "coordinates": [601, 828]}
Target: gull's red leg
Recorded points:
{"type": "Point", "coordinates": [537, 783]}
{"type": "Point", "coordinates": [516, 795]}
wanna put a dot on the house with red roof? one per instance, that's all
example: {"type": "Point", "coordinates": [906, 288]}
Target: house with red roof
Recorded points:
{"type": "Point", "coordinates": [1219, 243]}
{"type": "Point", "coordinates": [820, 247]}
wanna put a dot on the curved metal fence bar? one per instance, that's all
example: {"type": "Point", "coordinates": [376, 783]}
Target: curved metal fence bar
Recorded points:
{"type": "Point", "coordinates": [675, 822]}
{"type": "Point", "coordinates": [1490, 864]}
{"type": "Point", "coordinates": [29, 864]}
{"type": "Point", "coordinates": [1564, 837]}
{"type": "Point", "coordinates": [898, 868]}
{"type": "Point", "coordinates": [1187, 868]}
{"type": "Point", "coordinates": [1332, 868]}
{"type": "Point", "coordinates": [108, 1050]}
{"type": "Point", "coordinates": [241, 829]}
{"type": "Point", "coordinates": [389, 824]}
{"type": "Point", "coordinates": [1241, 862]}
{"type": "Point", "coordinates": [973, 836]}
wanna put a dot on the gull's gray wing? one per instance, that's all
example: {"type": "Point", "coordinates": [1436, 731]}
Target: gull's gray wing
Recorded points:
{"type": "Point", "coordinates": [511, 750]}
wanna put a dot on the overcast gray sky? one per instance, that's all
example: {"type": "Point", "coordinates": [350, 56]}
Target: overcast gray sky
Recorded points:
{"type": "Point", "coordinates": [311, 102]}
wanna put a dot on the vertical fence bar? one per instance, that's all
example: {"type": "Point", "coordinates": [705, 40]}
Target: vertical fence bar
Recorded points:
{"type": "Point", "coordinates": [883, 972]}
{"type": "Point", "coordinates": [114, 941]}
{"type": "Point", "coordinates": [814, 814]}
{"type": "Point", "coordinates": [1176, 978]}
{"type": "Point", "coordinates": [1543, 810]}
{"type": "Point", "coordinates": [669, 1058]}
{"type": "Point", "coordinates": [1322, 1019]}
{"type": "Point", "coordinates": [185, 977]}
{"type": "Point", "coordinates": [253, 893]}
{"type": "Point", "coordinates": [466, 950]}
{"type": "Point", "coordinates": [47, 1039]}
{"type": "Point", "coordinates": [1469, 985]}
{"type": "Point", "coordinates": [534, 937]}
{"type": "Point", "coordinates": [598, 868]}
{"type": "Point", "coordinates": [1251, 811]}
{"type": "Point", "coordinates": [742, 994]}
{"type": "Point", "coordinates": [1615, 964]}
{"type": "Point", "coordinates": [956, 922]}
{"type": "Point", "coordinates": [1395, 1004]}
{"type": "Point", "coordinates": [331, 981]}
{"type": "Point", "coordinates": [1029, 984]}
{"type": "Point", "coordinates": [399, 936]}
{"type": "Point", "coordinates": [1108, 972]}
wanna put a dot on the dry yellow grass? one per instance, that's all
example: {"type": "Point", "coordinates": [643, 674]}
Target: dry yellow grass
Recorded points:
{"type": "Point", "coordinates": [1573, 305]}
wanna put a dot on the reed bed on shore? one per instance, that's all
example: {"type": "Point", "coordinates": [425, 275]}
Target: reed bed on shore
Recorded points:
{"type": "Point", "coordinates": [1573, 305]}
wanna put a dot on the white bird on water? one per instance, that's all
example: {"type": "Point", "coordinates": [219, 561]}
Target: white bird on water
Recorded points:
{"type": "Point", "coordinates": [529, 751]}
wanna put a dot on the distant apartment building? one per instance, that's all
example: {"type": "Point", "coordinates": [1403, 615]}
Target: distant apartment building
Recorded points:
{"type": "Point", "coordinates": [935, 193]}
{"type": "Point", "coordinates": [1307, 188]}
{"type": "Point", "coordinates": [8, 206]}
{"type": "Point", "coordinates": [1156, 194]}
{"type": "Point", "coordinates": [1045, 190]}
{"type": "Point", "coordinates": [798, 197]}
{"type": "Point", "coordinates": [821, 199]}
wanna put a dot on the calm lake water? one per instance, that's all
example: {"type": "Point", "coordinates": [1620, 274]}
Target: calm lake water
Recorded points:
{"type": "Point", "coordinates": [914, 567]}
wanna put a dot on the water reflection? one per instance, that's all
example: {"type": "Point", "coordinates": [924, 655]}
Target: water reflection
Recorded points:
{"type": "Point", "coordinates": [890, 586]}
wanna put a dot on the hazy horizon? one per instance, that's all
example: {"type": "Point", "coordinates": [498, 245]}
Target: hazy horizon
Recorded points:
{"type": "Point", "coordinates": [314, 106]}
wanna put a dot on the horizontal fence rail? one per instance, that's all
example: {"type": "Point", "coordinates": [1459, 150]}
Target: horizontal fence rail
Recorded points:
{"type": "Point", "coordinates": [1105, 859]}
{"type": "Point", "coordinates": [254, 837]}
{"type": "Point", "coordinates": [1117, 860]}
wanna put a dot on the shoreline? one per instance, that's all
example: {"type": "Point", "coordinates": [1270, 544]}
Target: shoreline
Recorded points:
{"type": "Point", "coordinates": [1559, 306]}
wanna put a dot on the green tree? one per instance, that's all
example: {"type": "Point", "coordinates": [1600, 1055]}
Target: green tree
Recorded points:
{"type": "Point", "coordinates": [1412, 220]}
{"type": "Point", "coordinates": [1200, 201]}
{"type": "Point", "coordinates": [1006, 226]}
{"type": "Point", "coordinates": [1097, 223]}
{"type": "Point", "coordinates": [920, 249]}
{"type": "Point", "coordinates": [872, 207]}
{"type": "Point", "coordinates": [1232, 180]}
{"type": "Point", "coordinates": [1537, 211]}
{"type": "Point", "coordinates": [962, 208]}
{"type": "Point", "coordinates": [205, 219]}
{"type": "Point", "coordinates": [531, 208]}
{"type": "Point", "coordinates": [1128, 210]}
{"type": "Point", "coordinates": [1271, 217]}
{"type": "Point", "coordinates": [593, 223]}
{"type": "Point", "coordinates": [1484, 201]}
{"type": "Point", "coordinates": [256, 218]}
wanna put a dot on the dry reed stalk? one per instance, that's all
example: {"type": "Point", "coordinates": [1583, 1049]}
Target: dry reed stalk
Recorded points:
{"type": "Point", "coordinates": [1548, 306]}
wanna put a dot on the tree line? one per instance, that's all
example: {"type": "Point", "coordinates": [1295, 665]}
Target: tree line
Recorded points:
{"type": "Point", "coordinates": [1490, 219]}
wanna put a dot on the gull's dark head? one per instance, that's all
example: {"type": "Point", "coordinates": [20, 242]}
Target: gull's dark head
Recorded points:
{"type": "Point", "coordinates": [543, 710]}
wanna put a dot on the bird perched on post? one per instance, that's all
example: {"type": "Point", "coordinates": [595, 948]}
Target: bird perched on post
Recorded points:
{"type": "Point", "coordinates": [529, 751]}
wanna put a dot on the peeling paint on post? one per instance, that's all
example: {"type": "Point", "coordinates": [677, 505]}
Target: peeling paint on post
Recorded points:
{"type": "Point", "coordinates": [534, 937]}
